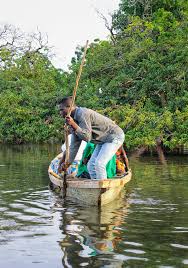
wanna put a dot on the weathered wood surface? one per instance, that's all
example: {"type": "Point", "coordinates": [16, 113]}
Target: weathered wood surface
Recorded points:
{"type": "Point", "coordinates": [92, 192]}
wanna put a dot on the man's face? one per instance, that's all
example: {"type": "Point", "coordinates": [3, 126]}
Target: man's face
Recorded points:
{"type": "Point", "coordinates": [64, 108]}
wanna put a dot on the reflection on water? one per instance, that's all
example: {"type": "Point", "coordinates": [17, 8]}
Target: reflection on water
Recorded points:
{"type": "Point", "coordinates": [91, 232]}
{"type": "Point", "coordinates": [146, 227]}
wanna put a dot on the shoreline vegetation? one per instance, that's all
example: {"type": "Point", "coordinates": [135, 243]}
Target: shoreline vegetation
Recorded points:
{"type": "Point", "coordinates": [138, 77]}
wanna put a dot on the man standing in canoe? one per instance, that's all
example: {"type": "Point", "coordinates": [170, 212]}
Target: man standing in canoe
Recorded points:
{"type": "Point", "coordinates": [88, 125]}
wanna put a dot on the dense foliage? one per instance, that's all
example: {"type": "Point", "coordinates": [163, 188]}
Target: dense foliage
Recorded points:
{"type": "Point", "coordinates": [138, 77]}
{"type": "Point", "coordinates": [29, 85]}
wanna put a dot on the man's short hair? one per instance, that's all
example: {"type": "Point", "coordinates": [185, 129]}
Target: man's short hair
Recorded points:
{"type": "Point", "coordinates": [65, 100]}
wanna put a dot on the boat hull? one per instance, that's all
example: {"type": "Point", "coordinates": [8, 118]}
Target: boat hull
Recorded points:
{"type": "Point", "coordinates": [90, 192]}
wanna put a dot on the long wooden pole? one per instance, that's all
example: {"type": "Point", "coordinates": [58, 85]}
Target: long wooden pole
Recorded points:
{"type": "Point", "coordinates": [78, 78]}
{"type": "Point", "coordinates": [73, 101]}
{"type": "Point", "coordinates": [68, 114]}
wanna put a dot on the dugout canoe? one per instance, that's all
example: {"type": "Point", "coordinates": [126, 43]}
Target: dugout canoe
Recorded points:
{"type": "Point", "coordinates": [90, 192]}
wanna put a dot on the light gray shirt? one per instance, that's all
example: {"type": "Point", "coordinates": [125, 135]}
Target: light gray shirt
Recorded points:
{"type": "Point", "coordinates": [93, 127]}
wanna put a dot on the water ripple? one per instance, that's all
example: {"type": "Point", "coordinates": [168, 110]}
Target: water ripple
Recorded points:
{"type": "Point", "coordinates": [146, 227]}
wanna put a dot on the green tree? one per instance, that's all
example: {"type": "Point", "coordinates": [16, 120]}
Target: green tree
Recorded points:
{"type": "Point", "coordinates": [29, 88]}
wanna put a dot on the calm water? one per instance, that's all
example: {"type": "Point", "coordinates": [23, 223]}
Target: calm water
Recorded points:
{"type": "Point", "coordinates": [146, 227]}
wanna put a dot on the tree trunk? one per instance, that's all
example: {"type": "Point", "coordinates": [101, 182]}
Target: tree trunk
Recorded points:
{"type": "Point", "coordinates": [160, 151]}
{"type": "Point", "coordinates": [138, 152]}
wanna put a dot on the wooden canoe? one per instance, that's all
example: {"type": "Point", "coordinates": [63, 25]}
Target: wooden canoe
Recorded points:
{"type": "Point", "coordinates": [90, 192]}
